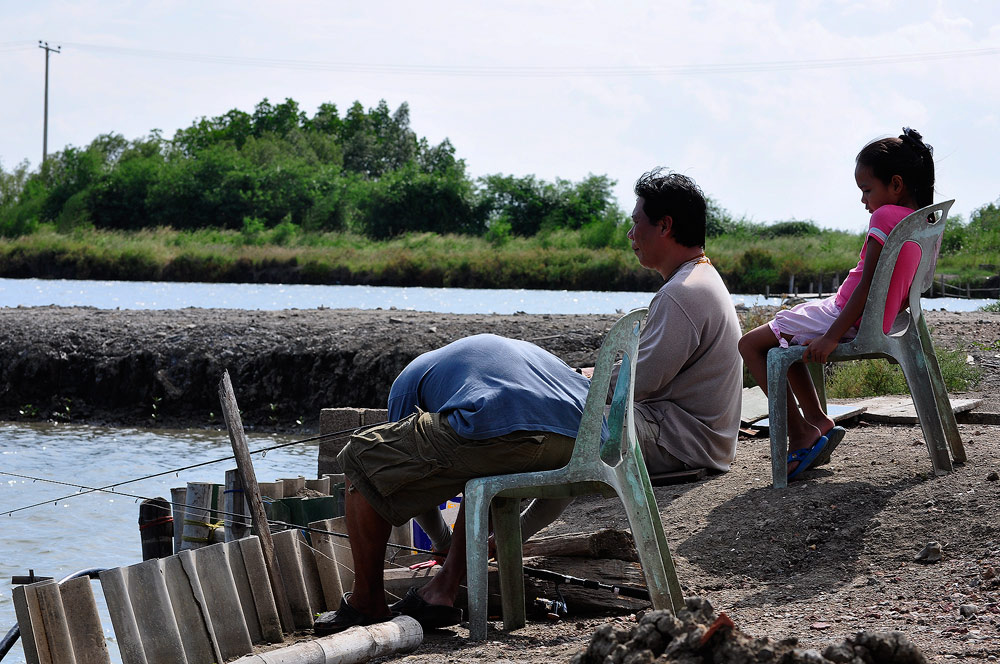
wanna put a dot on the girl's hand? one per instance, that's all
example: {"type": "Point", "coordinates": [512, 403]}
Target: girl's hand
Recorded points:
{"type": "Point", "coordinates": [819, 349]}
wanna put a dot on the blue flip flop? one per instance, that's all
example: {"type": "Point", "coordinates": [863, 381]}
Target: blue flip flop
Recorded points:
{"type": "Point", "coordinates": [835, 435]}
{"type": "Point", "coordinates": [806, 456]}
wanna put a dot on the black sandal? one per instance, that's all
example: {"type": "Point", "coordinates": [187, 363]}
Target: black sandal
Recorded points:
{"type": "Point", "coordinates": [430, 616]}
{"type": "Point", "coordinates": [346, 616]}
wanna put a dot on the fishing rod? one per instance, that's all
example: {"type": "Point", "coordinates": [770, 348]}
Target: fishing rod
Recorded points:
{"type": "Point", "coordinates": [106, 487]}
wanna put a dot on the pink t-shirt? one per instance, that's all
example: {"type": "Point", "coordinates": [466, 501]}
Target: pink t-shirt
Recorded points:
{"type": "Point", "coordinates": [882, 222]}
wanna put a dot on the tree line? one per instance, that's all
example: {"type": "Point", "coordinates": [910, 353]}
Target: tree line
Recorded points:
{"type": "Point", "coordinates": [365, 171]}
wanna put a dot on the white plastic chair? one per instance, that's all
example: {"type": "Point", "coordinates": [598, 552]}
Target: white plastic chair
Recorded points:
{"type": "Point", "coordinates": [908, 343]}
{"type": "Point", "coordinates": [616, 468]}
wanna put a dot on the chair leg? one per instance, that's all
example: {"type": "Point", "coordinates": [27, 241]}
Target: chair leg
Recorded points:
{"type": "Point", "coordinates": [948, 421]}
{"type": "Point", "coordinates": [777, 418]}
{"type": "Point", "coordinates": [507, 531]}
{"type": "Point", "coordinates": [477, 506]}
{"type": "Point", "coordinates": [915, 370]}
{"type": "Point", "coordinates": [650, 542]}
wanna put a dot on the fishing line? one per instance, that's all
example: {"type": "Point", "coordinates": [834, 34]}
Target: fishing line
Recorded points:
{"type": "Point", "coordinates": [263, 451]}
{"type": "Point", "coordinates": [542, 574]}
{"type": "Point", "coordinates": [241, 519]}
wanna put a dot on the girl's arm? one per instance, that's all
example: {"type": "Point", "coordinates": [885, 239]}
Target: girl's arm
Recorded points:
{"type": "Point", "coordinates": [820, 348]}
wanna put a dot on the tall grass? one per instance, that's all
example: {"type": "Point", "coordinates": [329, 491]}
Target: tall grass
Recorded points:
{"type": "Point", "coordinates": [749, 259]}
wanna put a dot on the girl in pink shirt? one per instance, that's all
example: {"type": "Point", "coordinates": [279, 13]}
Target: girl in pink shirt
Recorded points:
{"type": "Point", "coordinates": [896, 176]}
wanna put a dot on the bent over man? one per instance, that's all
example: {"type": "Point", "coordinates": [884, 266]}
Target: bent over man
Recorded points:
{"type": "Point", "coordinates": [483, 405]}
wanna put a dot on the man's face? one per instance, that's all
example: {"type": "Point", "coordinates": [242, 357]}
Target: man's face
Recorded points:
{"type": "Point", "coordinates": [646, 237]}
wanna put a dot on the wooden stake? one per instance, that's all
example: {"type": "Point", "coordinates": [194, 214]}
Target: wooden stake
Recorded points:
{"type": "Point", "coordinates": [234, 423]}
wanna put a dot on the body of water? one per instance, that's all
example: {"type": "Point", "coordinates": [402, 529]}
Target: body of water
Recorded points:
{"type": "Point", "coordinates": [101, 529]}
{"type": "Point", "coordinates": [178, 295]}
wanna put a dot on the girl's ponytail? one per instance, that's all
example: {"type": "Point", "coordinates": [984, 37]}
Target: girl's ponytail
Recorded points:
{"type": "Point", "coordinates": [923, 190]}
{"type": "Point", "coordinates": [906, 156]}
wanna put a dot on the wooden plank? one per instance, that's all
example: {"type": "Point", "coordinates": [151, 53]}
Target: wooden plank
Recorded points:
{"type": "Point", "coordinates": [234, 423]}
{"type": "Point", "coordinates": [899, 409]}
{"type": "Point", "coordinates": [607, 543]}
{"type": "Point", "coordinates": [582, 600]}
{"type": "Point", "coordinates": [678, 477]}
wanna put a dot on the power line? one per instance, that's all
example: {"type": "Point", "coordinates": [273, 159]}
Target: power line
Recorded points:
{"type": "Point", "coordinates": [543, 71]}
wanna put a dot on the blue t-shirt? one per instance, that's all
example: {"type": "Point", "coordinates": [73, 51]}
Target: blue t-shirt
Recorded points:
{"type": "Point", "coordinates": [487, 385]}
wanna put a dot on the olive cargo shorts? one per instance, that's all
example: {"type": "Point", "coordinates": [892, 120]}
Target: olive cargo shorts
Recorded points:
{"type": "Point", "coordinates": [407, 467]}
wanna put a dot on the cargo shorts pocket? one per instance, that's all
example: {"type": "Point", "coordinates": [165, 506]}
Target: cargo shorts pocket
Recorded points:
{"type": "Point", "coordinates": [395, 454]}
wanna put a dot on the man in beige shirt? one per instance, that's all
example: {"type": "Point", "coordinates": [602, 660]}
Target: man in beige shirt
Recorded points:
{"type": "Point", "coordinates": [689, 374]}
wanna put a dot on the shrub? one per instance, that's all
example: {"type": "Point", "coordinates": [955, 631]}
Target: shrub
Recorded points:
{"type": "Point", "coordinates": [757, 270]}
{"type": "Point", "coordinates": [793, 228]}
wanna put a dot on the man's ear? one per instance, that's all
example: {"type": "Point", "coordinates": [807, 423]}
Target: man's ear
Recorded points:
{"type": "Point", "coordinates": [666, 225]}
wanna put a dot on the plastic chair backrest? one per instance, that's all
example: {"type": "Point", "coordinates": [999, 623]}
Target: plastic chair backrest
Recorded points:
{"type": "Point", "coordinates": [925, 227]}
{"type": "Point", "coordinates": [622, 338]}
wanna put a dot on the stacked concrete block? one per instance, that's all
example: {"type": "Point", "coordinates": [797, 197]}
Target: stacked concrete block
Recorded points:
{"type": "Point", "coordinates": [343, 421]}
{"type": "Point", "coordinates": [59, 623]}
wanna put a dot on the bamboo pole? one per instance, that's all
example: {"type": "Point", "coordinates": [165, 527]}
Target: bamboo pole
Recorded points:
{"type": "Point", "coordinates": [234, 423]}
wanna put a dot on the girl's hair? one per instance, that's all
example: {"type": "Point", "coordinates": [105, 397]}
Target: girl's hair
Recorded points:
{"type": "Point", "coordinates": [906, 156]}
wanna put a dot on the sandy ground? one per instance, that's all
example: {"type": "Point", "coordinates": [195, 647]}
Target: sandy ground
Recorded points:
{"type": "Point", "coordinates": [817, 562]}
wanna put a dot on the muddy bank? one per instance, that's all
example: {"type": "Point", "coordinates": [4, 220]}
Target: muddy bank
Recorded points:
{"type": "Point", "coordinates": [162, 368]}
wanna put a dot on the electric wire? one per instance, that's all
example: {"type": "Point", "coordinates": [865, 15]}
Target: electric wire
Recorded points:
{"type": "Point", "coordinates": [542, 71]}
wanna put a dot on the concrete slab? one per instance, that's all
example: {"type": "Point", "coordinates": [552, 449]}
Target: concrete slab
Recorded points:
{"type": "Point", "coordinates": [260, 586]}
{"type": "Point", "coordinates": [754, 405]}
{"type": "Point", "coordinates": [154, 614]}
{"type": "Point", "coordinates": [222, 599]}
{"type": "Point", "coordinates": [327, 566]}
{"type": "Point", "coordinates": [899, 409]}
{"type": "Point", "coordinates": [286, 552]}
{"type": "Point", "coordinates": [115, 587]}
{"type": "Point", "coordinates": [188, 602]}
{"type": "Point", "coordinates": [85, 630]}
{"type": "Point", "coordinates": [837, 411]}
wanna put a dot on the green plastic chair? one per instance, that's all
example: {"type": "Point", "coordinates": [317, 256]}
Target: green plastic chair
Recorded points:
{"type": "Point", "coordinates": [908, 343]}
{"type": "Point", "coordinates": [614, 468]}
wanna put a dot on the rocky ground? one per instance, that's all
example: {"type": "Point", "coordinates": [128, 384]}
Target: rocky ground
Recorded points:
{"type": "Point", "coordinates": [828, 557]}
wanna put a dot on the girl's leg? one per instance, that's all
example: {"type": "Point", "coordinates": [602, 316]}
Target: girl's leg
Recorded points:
{"type": "Point", "coordinates": [753, 347]}
{"type": "Point", "coordinates": [812, 411]}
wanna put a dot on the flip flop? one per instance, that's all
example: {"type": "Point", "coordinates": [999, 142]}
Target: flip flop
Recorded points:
{"type": "Point", "coordinates": [346, 616]}
{"type": "Point", "coordinates": [430, 616]}
{"type": "Point", "coordinates": [806, 456]}
{"type": "Point", "coordinates": [835, 435]}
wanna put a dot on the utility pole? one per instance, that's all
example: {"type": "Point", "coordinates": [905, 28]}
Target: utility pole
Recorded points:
{"type": "Point", "coordinates": [45, 124]}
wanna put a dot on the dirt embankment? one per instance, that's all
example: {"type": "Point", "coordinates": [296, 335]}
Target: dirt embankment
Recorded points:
{"type": "Point", "coordinates": [162, 368]}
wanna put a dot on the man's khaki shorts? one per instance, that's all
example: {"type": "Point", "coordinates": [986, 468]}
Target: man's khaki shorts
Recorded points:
{"type": "Point", "coordinates": [407, 467]}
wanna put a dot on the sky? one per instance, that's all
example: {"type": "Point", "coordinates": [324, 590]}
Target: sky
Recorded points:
{"type": "Point", "coordinates": [764, 104]}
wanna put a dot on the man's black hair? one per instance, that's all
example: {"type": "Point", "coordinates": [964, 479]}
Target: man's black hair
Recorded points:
{"type": "Point", "coordinates": [676, 195]}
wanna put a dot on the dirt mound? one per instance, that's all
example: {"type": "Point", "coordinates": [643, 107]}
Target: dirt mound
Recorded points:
{"type": "Point", "coordinates": [696, 635]}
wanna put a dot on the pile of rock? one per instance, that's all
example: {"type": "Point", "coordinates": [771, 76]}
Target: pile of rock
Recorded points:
{"type": "Point", "coordinates": [696, 635]}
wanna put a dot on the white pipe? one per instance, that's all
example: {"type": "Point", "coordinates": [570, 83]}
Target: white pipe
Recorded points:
{"type": "Point", "coordinates": [356, 645]}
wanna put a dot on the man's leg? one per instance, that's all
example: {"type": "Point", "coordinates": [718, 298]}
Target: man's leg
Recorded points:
{"type": "Point", "coordinates": [443, 586]}
{"type": "Point", "coordinates": [368, 533]}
